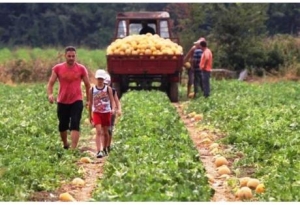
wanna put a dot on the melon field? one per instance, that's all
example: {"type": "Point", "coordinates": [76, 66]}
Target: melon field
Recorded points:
{"type": "Point", "coordinates": [261, 121]}
{"type": "Point", "coordinates": [154, 158]}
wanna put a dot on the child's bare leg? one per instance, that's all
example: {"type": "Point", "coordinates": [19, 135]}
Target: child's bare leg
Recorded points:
{"type": "Point", "coordinates": [105, 137]}
{"type": "Point", "coordinates": [98, 139]}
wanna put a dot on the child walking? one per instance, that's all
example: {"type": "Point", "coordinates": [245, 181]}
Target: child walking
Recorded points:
{"type": "Point", "coordinates": [118, 110]}
{"type": "Point", "coordinates": [101, 106]}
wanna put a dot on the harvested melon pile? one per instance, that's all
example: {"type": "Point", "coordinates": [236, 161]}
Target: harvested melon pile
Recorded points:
{"type": "Point", "coordinates": [246, 185]}
{"type": "Point", "coordinates": [144, 45]}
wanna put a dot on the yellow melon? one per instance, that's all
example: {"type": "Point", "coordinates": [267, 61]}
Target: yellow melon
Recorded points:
{"type": "Point", "coordinates": [244, 181]}
{"type": "Point", "coordinates": [191, 95]}
{"type": "Point", "coordinates": [252, 183]}
{"type": "Point", "coordinates": [221, 161]}
{"type": "Point", "coordinates": [187, 65]}
{"type": "Point", "coordinates": [134, 52]}
{"type": "Point", "coordinates": [244, 193]}
{"type": "Point", "coordinates": [148, 51]}
{"type": "Point", "coordinates": [78, 182]}
{"type": "Point", "coordinates": [85, 160]}
{"type": "Point", "coordinates": [223, 170]}
{"type": "Point", "coordinates": [128, 51]}
{"type": "Point", "coordinates": [260, 188]}
{"type": "Point", "coordinates": [66, 197]}
{"type": "Point", "coordinates": [198, 117]}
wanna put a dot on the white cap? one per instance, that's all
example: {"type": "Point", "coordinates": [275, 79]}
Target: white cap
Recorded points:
{"type": "Point", "coordinates": [100, 74]}
{"type": "Point", "coordinates": [107, 79]}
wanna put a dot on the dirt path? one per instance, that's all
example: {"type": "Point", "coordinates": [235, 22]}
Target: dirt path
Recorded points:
{"type": "Point", "coordinates": [222, 191]}
{"type": "Point", "coordinates": [91, 171]}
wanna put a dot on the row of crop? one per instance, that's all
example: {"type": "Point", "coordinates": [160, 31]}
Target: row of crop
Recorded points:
{"type": "Point", "coordinates": [262, 121]}
{"type": "Point", "coordinates": [32, 158]}
{"type": "Point", "coordinates": [154, 158]}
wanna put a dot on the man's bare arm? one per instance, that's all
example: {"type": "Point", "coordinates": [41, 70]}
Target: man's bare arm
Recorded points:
{"type": "Point", "coordinates": [50, 85]}
{"type": "Point", "coordinates": [87, 88]}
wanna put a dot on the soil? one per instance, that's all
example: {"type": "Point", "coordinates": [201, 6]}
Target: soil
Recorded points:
{"type": "Point", "coordinates": [93, 171]}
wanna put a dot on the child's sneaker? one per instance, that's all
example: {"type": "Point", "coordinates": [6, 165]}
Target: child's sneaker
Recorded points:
{"type": "Point", "coordinates": [105, 150]}
{"type": "Point", "coordinates": [109, 148]}
{"type": "Point", "coordinates": [100, 154]}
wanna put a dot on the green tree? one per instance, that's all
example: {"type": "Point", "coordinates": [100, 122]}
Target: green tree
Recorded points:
{"type": "Point", "coordinates": [189, 22]}
{"type": "Point", "coordinates": [236, 31]}
{"type": "Point", "coordinates": [59, 24]}
{"type": "Point", "coordinates": [284, 18]}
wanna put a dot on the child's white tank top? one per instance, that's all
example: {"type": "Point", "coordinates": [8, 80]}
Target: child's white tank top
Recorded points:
{"type": "Point", "coordinates": [101, 101]}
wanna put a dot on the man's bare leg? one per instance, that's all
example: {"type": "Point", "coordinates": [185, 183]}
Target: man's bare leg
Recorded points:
{"type": "Point", "coordinates": [64, 138]}
{"type": "Point", "coordinates": [75, 138]}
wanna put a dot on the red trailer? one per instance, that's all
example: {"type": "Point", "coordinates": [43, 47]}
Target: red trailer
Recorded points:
{"type": "Point", "coordinates": [145, 72]}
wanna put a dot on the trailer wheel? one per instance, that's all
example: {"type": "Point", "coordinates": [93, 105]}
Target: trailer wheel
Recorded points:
{"type": "Point", "coordinates": [117, 87]}
{"type": "Point", "coordinates": [173, 92]}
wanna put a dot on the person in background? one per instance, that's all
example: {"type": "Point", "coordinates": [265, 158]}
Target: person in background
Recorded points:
{"type": "Point", "coordinates": [206, 67]}
{"type": "Point", "coordinates": [101, 106]}
{"type": "Point", "coordinates": [190, 74]}
{"type": "Point", "coordinates": [70, 74]}
{"type": "Point", "coordinates": [118, 110]}
{"type": "Point", "coordinates": [194, 73]}
{"type": "Point", "coordinates": [146, 29]}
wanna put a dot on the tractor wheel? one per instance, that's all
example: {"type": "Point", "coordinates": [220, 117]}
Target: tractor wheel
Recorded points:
{"type": "Point", "coordinates": [117, 87]}
{"type": "Point", "coordinates": [173, 92]}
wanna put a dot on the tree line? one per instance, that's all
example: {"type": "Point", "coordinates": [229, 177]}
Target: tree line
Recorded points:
{"type": "Point", "coordinates": [92, 24]}
{"type": "Point", "coordinates": [55, 24]}
{"type": "Point", "coordinates": [235, 30]}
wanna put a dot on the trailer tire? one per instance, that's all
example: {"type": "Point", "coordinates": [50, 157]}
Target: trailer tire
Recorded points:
{"type": "Point", "coordinates": [117, 87]}
{"type": "Point", "coordinates": [173, 92]}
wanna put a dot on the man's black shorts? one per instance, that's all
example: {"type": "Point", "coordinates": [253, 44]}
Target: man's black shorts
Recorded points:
{"type": "Point", "coordinates": [69, 115]}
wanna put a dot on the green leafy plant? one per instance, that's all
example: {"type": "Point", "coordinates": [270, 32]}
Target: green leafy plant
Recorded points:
{"type": "Point", "coordinates": [154, 158]}
{"type": "Point", "coordinates": [32, 158]}
{"type": "Point", "coordinates": [261, 121]}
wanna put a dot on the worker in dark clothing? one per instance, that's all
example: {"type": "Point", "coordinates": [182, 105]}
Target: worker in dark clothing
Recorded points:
{"type": "Point", "coordinates": [146, 29]}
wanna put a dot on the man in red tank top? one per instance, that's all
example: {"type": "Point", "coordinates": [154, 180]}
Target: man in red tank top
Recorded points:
{"type": "Point", "coordinates": [205, 65]}
{"type": "Point", "coordinates": [69, 74]}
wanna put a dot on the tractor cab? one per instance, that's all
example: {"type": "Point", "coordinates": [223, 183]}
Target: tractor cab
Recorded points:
{"type": "Point", "coordinates": [130, 23]}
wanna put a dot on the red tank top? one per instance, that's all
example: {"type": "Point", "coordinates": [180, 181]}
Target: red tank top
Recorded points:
{"type": "Point", "coordinates": [69, 82]}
